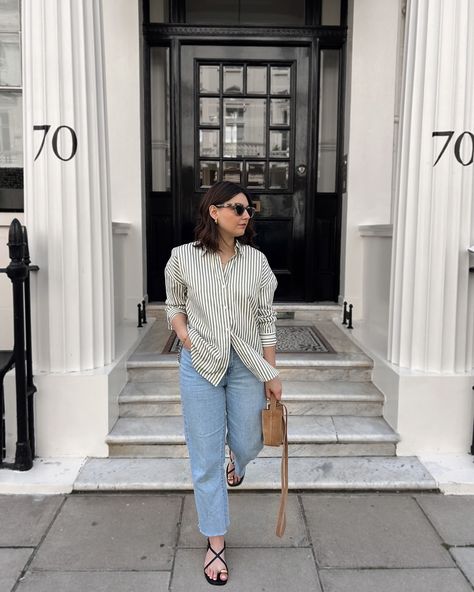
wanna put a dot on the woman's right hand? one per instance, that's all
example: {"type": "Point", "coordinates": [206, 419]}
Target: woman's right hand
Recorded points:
{"type": "Point", "coordinates": [186, 343]}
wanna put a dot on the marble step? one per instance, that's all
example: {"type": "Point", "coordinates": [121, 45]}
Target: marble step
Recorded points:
{"type": "Point", "coordinates": [316, 474]}
{"type": "Point", "coordinates": [149, 399]}
{"type": "Point", "coordinates": [308, 435]}
{"type": "Point", "coordinates": [355, 367]}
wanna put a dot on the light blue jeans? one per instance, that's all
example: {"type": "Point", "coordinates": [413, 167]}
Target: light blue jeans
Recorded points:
{"type": "Point", "coordinates": [233, 407]}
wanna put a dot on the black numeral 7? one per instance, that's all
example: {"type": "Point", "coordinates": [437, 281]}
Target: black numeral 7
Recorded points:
{"type": "Point", "coordinates": [46, 129]}
{"type": "Point", "coordinates": [449, 135]}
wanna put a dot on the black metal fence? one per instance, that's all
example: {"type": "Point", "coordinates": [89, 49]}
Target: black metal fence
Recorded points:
{"type": "Point", "coordinates": [20, 357]}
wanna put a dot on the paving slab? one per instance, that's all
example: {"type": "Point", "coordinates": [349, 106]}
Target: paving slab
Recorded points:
{"type": "Point", "coordinates": [25, 518]}
{"type": "Point", "coordinates": [253, 521]}
{"type": "Point", "coordinates": [250, 570]}
{"type": "Point", "coordinates": [452, 516]}
{"type": "Point", "coordinates": [393, 580]}
{"type": "Point", "coordinates": [112, 532]}
{"type": "Point", "coordinates": [107, 581]}
{"type": "Point", "coordinates": [372, 531]}
{"type": "Point", "coordinates": [12, 562]}
{"type": "Point", "coordinates": [464, 557]}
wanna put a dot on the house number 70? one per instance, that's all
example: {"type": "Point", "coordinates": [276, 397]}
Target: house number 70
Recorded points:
{"type": "Point", "coordinates": [45, 129]}
{"type": "Point", "coordinates": [457, 146]}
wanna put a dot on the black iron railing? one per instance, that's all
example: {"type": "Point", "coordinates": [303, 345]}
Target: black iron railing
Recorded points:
{"type": "Point", "coordinates": [141, 314]}
{"type": "Point", "coordinates": [20, 357]}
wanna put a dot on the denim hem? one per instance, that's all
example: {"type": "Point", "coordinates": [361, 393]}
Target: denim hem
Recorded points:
{"type": "Point", "coordinates": [212, 535]}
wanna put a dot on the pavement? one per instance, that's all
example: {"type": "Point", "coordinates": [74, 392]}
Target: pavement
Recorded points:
{"type": "Point", "coordinates": [335, 542]}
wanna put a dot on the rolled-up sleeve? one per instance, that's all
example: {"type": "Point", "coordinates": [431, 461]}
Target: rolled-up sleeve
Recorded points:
{"type": "Point", "coordinates": [176, 291]}
{"type": "Point", "coordinates": [266, 315]}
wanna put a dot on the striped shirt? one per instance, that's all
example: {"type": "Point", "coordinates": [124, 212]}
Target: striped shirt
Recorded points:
{"type": "Point", "coordinates": [225, 306]}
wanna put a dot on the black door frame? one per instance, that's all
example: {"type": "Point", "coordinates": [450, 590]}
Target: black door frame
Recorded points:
{"type": "Point", "coordinates": [174, 36]}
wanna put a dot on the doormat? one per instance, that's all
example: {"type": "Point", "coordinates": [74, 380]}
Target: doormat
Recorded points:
{"type": "Point", "coordinates": [290, 340]}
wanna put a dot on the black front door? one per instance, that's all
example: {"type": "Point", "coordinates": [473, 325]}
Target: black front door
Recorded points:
{"type": "Point", "coordinates": [266, 112]}
{"type": "Point", "coordinates": [244, 117]}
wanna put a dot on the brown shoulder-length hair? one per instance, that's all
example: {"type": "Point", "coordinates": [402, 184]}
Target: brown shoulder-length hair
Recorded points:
{"type": "Point", "coordinates": [206, 232]}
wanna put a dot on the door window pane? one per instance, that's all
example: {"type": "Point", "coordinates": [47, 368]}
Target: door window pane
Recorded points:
{"type": "Point", "coordinates": [11, 142]}
{"type": "Point", "coordinates": [233, 79]}
{"type": "Point", "coordinates": [280, 80]}
{"type": "Point", "coordinates": [331, 12]}
{"type": "Point", "coordinates": [278, 175]}
{"type": "Point", "coordinates": [233, 128]}
{"type": "Point", "coordinates": [232, 172]}
{"type": "Point", "coordinates": [256, 79]}
{"type": "Point", "coordinates": [279, 112]}
{"type": "Point", "coordinates": [209, 111]}
{"type": "Point", "coordinates": [244, 127]}
{"type": "Point", "coordinates": [279, 143]}
{"type": "Point", "coordinates": [209, 79]}
{"type": "Point", "coordinates": [9, 15]}
{"type": "Point", "coordinates": [255, 174]}
{"type": "Point", "coordinates": [209, 142]}
{"type": "Point", "coordinates": [160, 136]}
{"type": "Point", "coordinates": [212, 12]}
{"type": "Point", "coordinates": [328, 122]}
{"type": "Point", "coordinates": [246, 12]}
{"type": "Point", "coordinates": [208, 173]}
{"type": "Point", "coordinates": [159, 11]}
{"type": "Point", "coordinates": [10, 59]}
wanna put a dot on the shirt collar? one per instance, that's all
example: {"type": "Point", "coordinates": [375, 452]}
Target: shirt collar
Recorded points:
{"type": "Point", "coordinates": [238, 249]}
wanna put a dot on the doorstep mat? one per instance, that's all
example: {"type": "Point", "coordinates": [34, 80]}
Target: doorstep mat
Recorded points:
{"type": "Point", "coordinates": [291, 339]}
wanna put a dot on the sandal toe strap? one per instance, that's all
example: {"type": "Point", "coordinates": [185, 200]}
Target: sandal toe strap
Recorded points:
{"type": "Point", "coordinates": [216, 556]}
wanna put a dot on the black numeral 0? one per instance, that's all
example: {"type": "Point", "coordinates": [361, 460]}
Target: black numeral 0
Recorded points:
{"type": "Point", "coordinates": [457, 149]}
{"type": "Point", "coordinates": [45, 129]}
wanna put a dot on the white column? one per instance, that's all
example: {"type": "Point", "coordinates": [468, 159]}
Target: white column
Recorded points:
{"type": "Point", "coordinates": [431, 310]}
{"type": "Point", "coordinates": [67, 206]}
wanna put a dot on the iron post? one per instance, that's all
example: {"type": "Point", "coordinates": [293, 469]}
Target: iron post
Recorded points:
{"type": "Point", "coordinates": [17, 271]}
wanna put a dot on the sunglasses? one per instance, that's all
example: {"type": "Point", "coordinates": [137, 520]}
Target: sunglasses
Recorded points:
{"type": "Point", "coordinates": [239, 209]}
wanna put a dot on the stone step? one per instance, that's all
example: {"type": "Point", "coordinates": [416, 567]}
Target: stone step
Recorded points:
{"type": "Point", "coordinates": [149, 399]}
{"type": "Point", "coordinates": [308, 435]}
{"type": "Point", "coordinates": [315, 474]}
{"type": "Point", "coordinates": [354, 367]}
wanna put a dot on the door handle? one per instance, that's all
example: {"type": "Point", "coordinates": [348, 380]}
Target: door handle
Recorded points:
{"type": "Point", "coordinates": [301, 170]}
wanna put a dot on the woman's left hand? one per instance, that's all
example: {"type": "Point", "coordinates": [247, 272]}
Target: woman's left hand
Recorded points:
{"type": "Point", "coordinates": [273, 389]}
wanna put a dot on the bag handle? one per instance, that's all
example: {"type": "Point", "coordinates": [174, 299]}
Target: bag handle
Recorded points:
{"type": "Point", "coordinates": [281, 521]}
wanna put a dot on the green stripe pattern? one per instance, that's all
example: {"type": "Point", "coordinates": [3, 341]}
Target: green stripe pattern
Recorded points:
{"type": "Point", "coordinates": [225, 306]}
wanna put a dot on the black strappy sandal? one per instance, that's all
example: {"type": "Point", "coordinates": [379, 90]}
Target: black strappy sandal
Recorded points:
{"type": "Point", "coordinates": [219, 581]}
{"type": "Point", "coordinates": [229, 472]}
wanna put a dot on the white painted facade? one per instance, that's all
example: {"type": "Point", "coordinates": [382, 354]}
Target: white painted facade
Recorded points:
{"type": "Point", "coordinates": [405, 232]}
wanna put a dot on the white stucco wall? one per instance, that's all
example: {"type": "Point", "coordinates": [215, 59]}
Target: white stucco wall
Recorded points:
{"type": "Point", "coordinates": [376, 257]}
{"type": "Point", "coordinates": [371, 87]}
{"type": "Point", "coordinates": [122, 26]}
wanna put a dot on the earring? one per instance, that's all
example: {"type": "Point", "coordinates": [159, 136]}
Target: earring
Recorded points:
{"type": "Point", "coordinates": [215, 220]}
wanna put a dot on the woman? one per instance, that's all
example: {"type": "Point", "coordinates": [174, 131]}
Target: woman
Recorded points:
{"type": "Point", "coordinates": [219, 302]}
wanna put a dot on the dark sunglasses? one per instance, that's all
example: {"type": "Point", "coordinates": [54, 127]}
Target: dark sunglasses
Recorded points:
{"type": "Point", "coordinates": [239, 209]}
